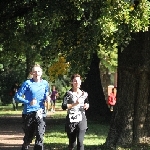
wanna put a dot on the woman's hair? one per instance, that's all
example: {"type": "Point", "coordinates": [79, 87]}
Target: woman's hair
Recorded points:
{"type": "Point", "coordinates": [75, 75]}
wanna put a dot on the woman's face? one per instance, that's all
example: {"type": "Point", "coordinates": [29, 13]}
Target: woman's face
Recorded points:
{"type": "Point", "coordinates": [53, 88]}
{"type": "Point", "coordinates": [76, 82]}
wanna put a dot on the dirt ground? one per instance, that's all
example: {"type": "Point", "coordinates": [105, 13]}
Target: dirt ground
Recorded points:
{"type": "Point", "coordinates": [11, 133]}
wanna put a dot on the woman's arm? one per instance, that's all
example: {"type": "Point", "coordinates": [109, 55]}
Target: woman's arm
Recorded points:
{"type": "Point", "coordinates": [69, 106]}
{"type": "Point", "coordinates": [86, 104]}
{"type": "Point", "coordinates": [67, 101]}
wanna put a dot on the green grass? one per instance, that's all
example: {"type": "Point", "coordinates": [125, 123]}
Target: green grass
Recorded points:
{"type": "Point", "coordinates": [56, 138]}
{"type": "Point", "coordinates": [8, 110]}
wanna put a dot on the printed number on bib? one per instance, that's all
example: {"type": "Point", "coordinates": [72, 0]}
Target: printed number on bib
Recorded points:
{"type": "Point", "coordinates": [76, 117]}
{"type": "Point", "coordinates": [41, 113]}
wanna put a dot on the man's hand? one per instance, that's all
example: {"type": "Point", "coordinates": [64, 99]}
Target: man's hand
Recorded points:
{"type": "Point", "coordinates": [33, 102]}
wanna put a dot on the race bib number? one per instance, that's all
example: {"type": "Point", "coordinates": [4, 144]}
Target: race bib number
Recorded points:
{"type": "Point", "coordinates": [41, 113]}
{"type": "Point", "coordinates": [76, 117]}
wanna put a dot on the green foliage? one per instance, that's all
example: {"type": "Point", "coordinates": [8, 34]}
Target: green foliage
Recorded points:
{"type": "Point", "coordinates": [117, 21]}
{"type": "Point", "coordinates": [62, 85]}
{"type": "Point", "coordinates": [120, 19]}
{"type": "Point", "coordinates": [110, 59]}
{"type": "Point", "coordinates": [33, 30]}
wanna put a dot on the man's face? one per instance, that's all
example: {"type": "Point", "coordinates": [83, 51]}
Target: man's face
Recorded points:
{"type": "Point", "coordinates": [76, 82]}
{"type": "Point", "coordinates": [36, 72]}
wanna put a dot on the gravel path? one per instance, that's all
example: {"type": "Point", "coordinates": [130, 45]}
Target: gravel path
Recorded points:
{"type": "Point", "coordinates": [11, 133]}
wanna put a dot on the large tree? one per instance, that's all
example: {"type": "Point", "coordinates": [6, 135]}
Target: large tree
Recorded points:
{"type": "Point", "coordinates": [130, 120]}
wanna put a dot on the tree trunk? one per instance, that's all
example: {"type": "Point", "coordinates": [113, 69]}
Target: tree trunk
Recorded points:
{"type": "Point", "coordinates": [130, 121]}
{"type": "Point", "coordinates": [29, 62]}
{"type": "Point", "coordinates": [93, 86]}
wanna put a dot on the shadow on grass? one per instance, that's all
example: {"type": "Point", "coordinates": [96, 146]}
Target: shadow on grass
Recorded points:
{"type": "Point", "coordinates": [56, 146]}
{"type": "Point", "coordinates": [56, 137]}
{"type": "Point", "coordinates": [11, 133]}
{"type": "Point", "coordinates": [13, 147]}
{"type": "Point", "coordinates": [11, 128]}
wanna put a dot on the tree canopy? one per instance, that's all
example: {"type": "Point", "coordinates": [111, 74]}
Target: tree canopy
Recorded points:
{"type": "Point", "coordinates": [76, 29]}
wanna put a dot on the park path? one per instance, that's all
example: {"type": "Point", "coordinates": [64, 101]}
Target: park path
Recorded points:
{"type": "Point", "coordinates": [11, 133]}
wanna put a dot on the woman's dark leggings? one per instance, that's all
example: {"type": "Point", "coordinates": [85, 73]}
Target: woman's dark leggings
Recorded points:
{"type": "Point", "coordinates": [79, 134]}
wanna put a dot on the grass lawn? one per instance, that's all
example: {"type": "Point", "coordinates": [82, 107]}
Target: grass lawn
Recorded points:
{"type": "Point", "coordinates": [8, 110]}
{"type": "Point", "coordinates": [56, 138]}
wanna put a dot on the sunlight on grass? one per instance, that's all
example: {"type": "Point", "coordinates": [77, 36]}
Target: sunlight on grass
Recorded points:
{"type": "Point", "coordinates": [56, 136]}
{"type": "Point", "coordinates": [8, 110]}
{"type": "Point", "coordinates": [58, 114]}
{"type": "Point", "coordinates": [96, 135]}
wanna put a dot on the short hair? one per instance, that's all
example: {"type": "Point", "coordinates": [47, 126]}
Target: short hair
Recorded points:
{"type": "Point", "coordinates": [75, 75]}
{"type": "Point", "coordinates": [36, 65]}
